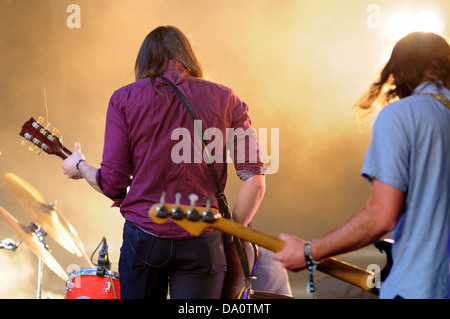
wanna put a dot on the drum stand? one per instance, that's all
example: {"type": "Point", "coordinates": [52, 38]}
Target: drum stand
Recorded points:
{"type": "Point", "coordinates": [9, 244]}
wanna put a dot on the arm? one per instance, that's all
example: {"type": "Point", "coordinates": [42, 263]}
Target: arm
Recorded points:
{"type": "Point", "coordinates": [375, 219]}
{"type": "Point", "coordinates": [87, 171]}
{"type": "Point", "coordinates": [249, 198]}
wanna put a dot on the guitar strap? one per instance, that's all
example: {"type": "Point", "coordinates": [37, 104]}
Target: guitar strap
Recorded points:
{"type": "Point", "coordinates": [220, 195]}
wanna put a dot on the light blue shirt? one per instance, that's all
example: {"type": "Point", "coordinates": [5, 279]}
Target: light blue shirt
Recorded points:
{"type": "Point", "coordinates": [410, 150]}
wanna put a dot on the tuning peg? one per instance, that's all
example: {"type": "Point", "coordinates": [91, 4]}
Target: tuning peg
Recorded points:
{"type": "Point", "coordinates": [207, 215]}
{"type": "Point", "coordinates": [31, 147]}
{"type": "Point", "coordinates": [55, 131]}
{"type": "Point", "coordinates": [39, 152]}
{"type": "Point", "coordinates": [24, 141]}
{"type": "Point", "coordinates": [193, 198]}
{"type": "Point", "coordinates": [51, 205]}
{"type": "Point", "coordinates": [161, 210]}
{"type": "Point", "coordinates": [162, 199]}
{"type": "Point", "coordinates": [40, 120]}
{"type": "Point", "coordinates": [47, 126]}
{"type": "Point", "coordinates": [177, 199]}
{"type": "Point", "coordinates": [177, 212]}
{"type": "Point", "coordinates": [192, 213]}
{"type": "Point", "coordinates": [209, 200]}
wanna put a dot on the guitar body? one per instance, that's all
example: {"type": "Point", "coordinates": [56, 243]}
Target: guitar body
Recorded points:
{"type": "Point", "coordinates": [235, 281]}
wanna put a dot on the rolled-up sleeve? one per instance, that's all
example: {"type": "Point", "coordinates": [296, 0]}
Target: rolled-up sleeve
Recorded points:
{"type": "Point", "coordinates": [114, 175]}
{"type": "Point", "coordinates": [245, 151]}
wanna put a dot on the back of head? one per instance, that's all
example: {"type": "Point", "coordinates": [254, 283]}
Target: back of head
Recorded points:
{"type": "Point", "coordinates": [163, 44]}
{"type": "Point", "coordinates": [416, 58]}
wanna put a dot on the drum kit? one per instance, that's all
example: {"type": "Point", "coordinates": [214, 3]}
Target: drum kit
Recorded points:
{"type": "Point", "coordinates": [87, 283]}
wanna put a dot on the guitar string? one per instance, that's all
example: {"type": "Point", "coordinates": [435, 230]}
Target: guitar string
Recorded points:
{"type": "Point", "coordinates": [46, 106]}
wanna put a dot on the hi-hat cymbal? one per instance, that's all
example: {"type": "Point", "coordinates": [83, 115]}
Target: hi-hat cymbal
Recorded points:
{"type": "Point", "coordinates": [46, 215]}
{"type": "Point", "coordinates": [31, 240]}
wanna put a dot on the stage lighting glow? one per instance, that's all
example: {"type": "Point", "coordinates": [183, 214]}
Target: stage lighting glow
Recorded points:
{"type": "Point", "coordinates": [399, 25]}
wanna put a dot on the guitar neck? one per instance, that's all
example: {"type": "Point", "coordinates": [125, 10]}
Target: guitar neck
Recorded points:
{"type": "Point", "coordinates": [330, 266]}
{"type": "Point", "coordinates": [64, 153]}
{"type": "Point", "coordinates": [230, 227]}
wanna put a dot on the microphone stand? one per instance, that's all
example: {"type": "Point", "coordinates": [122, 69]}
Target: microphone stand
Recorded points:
{"type": "Point", "coordinates": [104, 263]}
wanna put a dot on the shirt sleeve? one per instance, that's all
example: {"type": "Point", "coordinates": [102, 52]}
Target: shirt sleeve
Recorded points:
{"type": "Point", "coordinates": [245, 151]}
{"type": "Point", "coordinates": [387, 158]}
{"type": "Point", "coordinates": [114, 175]}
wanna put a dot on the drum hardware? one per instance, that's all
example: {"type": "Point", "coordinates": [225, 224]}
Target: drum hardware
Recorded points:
{"type": "Point", "coordinates": [90, 283]}
{"type": "Point", "coordinates": [98, 283]}
{"type": "Point", "coordinates": [104, 263]}
{"type": "Point", "coordinates": [9, 244]}
{"type": "Point", "coordinates": [40, 233]}
{"type": "Point", "coordinates": [45, 214]}
{"type": "Point", "coordinates": [85, 284]}
{"type": "Point", "coordinates": [108, 288]}
{"type": "Point", "coordinates": [33, 236]}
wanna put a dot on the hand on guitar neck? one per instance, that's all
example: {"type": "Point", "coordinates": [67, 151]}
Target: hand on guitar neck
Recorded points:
{"type": "Point", "coordinates": [46, 140]}
{"type": "Point", "coordinates": [211, 218]}
{"type": "Point", "coordinates": [69, 165]}
{"type": "Point", "coordinates": [76, 167]}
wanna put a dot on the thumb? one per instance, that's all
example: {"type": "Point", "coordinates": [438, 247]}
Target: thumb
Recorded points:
{"type": "Point", "coordinates": [284, 236]}
{"type": "Point", "coordinates": [77, 147]}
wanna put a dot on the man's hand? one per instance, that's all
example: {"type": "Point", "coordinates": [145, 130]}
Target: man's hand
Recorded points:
{"type": "Point", "coordinates": [292, 256]}
{"type": "Point", "coordinates": [68, 165]}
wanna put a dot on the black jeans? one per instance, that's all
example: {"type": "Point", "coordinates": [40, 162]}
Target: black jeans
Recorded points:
{"type": "Point", "coordinates": [191, 268]}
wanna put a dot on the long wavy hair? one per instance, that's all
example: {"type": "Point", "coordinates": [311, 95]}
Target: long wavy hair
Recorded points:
{"type": "Point", "coordinates": [163, 44]}
{"type": "Point", "coordinates": [418, 57]}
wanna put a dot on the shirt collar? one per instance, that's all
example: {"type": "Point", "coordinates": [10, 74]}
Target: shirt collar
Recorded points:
{"type": "Point", "coordinates": [176, 72]}
{"type": "Point", "coordinates": [430, 87]}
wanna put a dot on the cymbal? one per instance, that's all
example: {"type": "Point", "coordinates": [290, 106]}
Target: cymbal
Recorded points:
{"type": "Point", "coordinates": [31, 240]}
{"type": "Point", "coordinates": [46, 215]}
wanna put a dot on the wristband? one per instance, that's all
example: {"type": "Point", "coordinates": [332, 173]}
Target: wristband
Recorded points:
{"type": "Point", "coordinates": [308, 255]}
{"type": "Point", "coordinates": [312, 264]}
{"type": "Point", "coordinates": [76, 166]}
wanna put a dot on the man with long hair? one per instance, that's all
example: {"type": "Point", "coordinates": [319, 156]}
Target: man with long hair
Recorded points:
{"type": "Point", "coordinates": [408, 165]}
{"type": "Point", "coordinates": [138, 168]}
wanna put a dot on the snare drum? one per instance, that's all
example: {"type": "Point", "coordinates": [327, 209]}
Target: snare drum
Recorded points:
{"type": "Point", "coordinates": [86, 284]}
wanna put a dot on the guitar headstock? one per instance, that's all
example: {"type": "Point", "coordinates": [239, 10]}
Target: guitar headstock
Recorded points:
{"type": "Point", "coordinates": [193, 219]}
{"type": "Point", "coordinates": [42, 138]}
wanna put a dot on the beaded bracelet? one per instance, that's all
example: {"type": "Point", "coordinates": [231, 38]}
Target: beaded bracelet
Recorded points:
{"type": "Point", "coordinates": [76, 166]}
{"type": "Point", "coordinates": [312, 264]}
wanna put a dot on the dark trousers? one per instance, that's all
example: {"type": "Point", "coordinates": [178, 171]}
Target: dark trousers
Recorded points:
{"type": "Point", "coordinates": [191, 268]}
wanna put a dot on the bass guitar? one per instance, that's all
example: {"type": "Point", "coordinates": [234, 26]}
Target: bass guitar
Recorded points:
{"type": "Point", "coordinates": [196, 220]}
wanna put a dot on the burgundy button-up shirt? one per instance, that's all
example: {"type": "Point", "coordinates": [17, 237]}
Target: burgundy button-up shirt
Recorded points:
{"type": "Point", "coordinates": [137, 165]}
